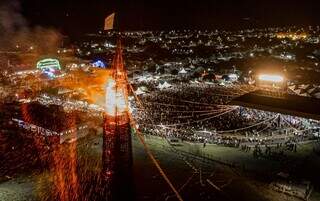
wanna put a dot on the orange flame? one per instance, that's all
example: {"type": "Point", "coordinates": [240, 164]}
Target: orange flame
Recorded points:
{"type": "Point", "coordinates": [116, 98]}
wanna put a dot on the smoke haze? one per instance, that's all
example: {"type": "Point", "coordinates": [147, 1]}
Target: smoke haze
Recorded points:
{"type": "Point", "coordinates": [17, 36]}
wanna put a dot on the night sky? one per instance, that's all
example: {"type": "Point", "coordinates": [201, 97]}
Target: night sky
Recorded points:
{"type": "Point", "coordinates": [82, 16]}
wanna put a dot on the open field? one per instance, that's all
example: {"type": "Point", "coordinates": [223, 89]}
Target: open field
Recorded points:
{"type": "Point", "coordinates": [190, 175]}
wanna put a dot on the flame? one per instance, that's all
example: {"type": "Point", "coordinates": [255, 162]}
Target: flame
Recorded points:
{"type": "Point", "coordinates": [116, 101]}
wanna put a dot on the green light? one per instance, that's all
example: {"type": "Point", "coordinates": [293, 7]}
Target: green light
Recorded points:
{"type": "Point", "coordinates": [48, 64]}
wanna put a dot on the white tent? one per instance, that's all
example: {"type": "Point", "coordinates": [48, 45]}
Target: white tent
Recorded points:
{"type": "Point", "coordinates": [208, 82]}
{"type": "Point", "coordinates": [316, 95]}
{"type": "Point", "coordinates": [146, 78]}
{"type": "Point", "coordinates": [298, 91]}
{"type": "Point", "coordinates": [311, 90]}
{"type": "Point", "coordinates": [142, 79]}
{"type": "Point", "coordinates": [165, 85]}
{"type": "Point", "coordinates": [292, 87]}
{"type": "Point", "coordinates": [182, 71]}
{"type": "Point", "coordinates": [304, 94]}
{"type": "Point", "coordinates": [144, 88]}
{"type": "Point", "coordinates": [64, 91]}
{"type": "Point", "coordinates": [139, 91]}
{"type": "Point", "coordinates": [304, 86]}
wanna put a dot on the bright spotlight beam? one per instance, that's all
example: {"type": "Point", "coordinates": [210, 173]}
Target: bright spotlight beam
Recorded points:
{"type": "Point", "coordinates": [271, 78]}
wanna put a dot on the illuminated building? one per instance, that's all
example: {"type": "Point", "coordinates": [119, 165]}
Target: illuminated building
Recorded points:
{"type": "Point", "coordinates": [271, 78]}
{"type": "Point", "coordinates": [48, 64]}
{"type": "Point", "coordinates": [117, 151]}
{"type": "Point", "coordinates": [271, 82]}
{"type": "Point", "coordinates": [49, 67]}
{"type": "Point", "coordinates": [99, 64]}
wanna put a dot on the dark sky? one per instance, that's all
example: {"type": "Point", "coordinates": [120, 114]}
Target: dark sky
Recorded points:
{"type": "Point", "coordinates": [80, 16]}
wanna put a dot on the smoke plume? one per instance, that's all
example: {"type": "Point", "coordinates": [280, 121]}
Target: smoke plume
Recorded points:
{"type": "Point", "coordinates": [17, 35]}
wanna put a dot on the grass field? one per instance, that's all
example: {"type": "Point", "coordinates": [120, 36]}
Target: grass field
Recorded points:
{"type": "Point", "coordinates": [190, 176]}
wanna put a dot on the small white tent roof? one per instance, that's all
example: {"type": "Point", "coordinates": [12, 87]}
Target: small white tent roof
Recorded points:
{"type": "Point", "coordinates": [182, 71]}
{"type": "Point", "coordinates": [292, 87]}
{"type": "Point", "coordinates": [316, 95]}
{"type": "Point", "coordinates": [304, 86]}
{"type": "Point", "coordinates": [142, 79]}
{"type": "Point", "coordinates": [139, 91]}
{"type": "Point", "coordinates": [164, 85]}
{"type": "Point", "coordinates": [304, 94]}
{"type": "Point", "coordinates": [298, 91]}
{"type": "Point", "coordinates": [310, 91]}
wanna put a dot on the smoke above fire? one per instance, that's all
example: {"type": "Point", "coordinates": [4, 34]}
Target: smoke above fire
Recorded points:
{"type": "Point", "coordinates": [17, 35]}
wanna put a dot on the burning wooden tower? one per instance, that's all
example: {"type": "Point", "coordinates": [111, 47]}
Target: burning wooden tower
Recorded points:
{"type": "Point", "coordinates": [117, 150]}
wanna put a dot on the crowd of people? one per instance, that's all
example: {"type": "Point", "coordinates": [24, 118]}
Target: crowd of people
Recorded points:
{"type": "Point", "coordinates": [201, 113]}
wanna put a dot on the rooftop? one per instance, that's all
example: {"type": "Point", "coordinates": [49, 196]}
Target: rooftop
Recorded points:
{"type": "Point", "coordinates": [280, 103]}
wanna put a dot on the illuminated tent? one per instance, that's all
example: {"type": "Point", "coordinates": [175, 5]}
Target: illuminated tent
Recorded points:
{"type": "Point", "coordinates": [142, 79]}
{"type": "Point", "coordinates": [144, 88]}
{"type": "Point", "coordinates": [99, 64]}
{"type": "Point", "coordinates": [316, 95]}
{"type": "Point", "coordinates": [139, 91]}
{"type": "Point", "coordinates": [49, 67]}
{"type": "Point", "coordinates": [48, 63]}
{"type": "Point", "coordinates": [311, 90]}
{"type": "Point", "coordinates": [304, 86]}
{"type": "Point", "coordinates": [292, 87]}
{"type": "Point", "coordinates": [64, 91]}
{"type": "Point", "coordinates": [298, 91]}
{"type": "Point", "coordinates": [146, 78]}
{"type": "Point", "coordinates": [182, 71]}
{"type": "Point", "coordinates": [233, 76]}
{"type": "Point", "coordinates": [165, 85]}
